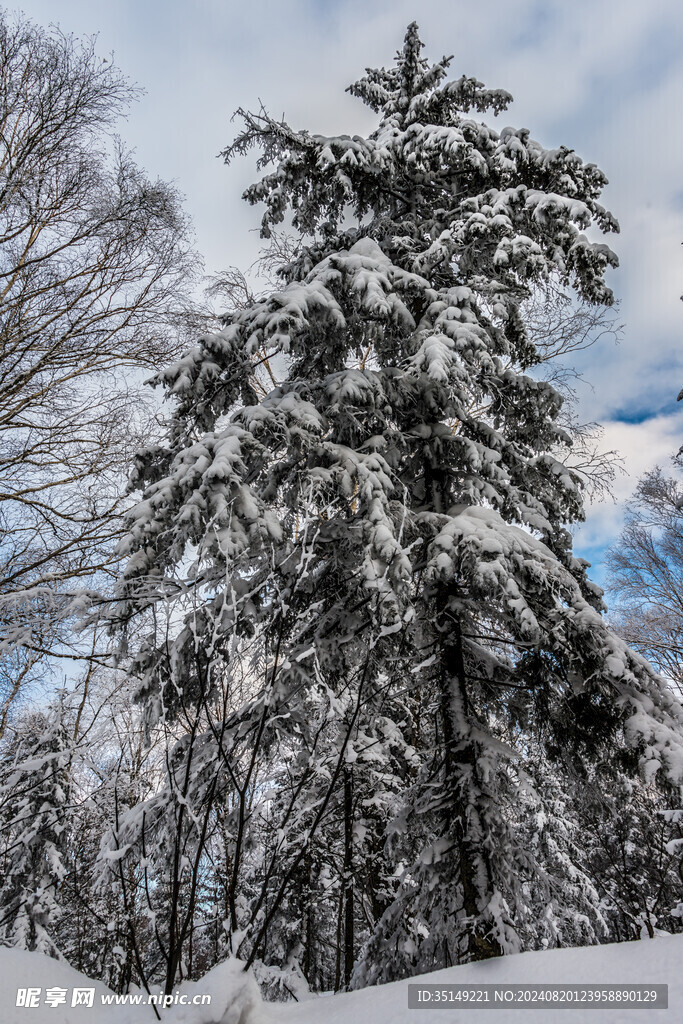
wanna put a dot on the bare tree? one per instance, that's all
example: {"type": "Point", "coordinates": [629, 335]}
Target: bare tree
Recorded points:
{"type": "Point", "coordinates": [95, 268]}
{"type": "Point", "coordinates": [646, 573]}
{"type": "Point", "coordinates": [560, 328]}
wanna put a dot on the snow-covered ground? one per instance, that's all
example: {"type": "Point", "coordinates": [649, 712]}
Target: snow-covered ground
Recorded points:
{"type": "Point", "coordinates": [235, 998]}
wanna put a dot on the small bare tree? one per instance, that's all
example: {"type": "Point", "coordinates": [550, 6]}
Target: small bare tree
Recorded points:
{"type": "Point", "coordinates": [95, 268]}
{"type": "Point", "coordinates": [646, 573]}
{"type": "Point", "coordinates": [560, 328]}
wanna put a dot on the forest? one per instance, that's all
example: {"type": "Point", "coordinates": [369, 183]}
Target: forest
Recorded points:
{"type": "Point", "coordinates": [297, 663]}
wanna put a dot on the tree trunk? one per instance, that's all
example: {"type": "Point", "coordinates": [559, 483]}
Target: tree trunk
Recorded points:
{"type": "Point", "coordinates": [460, 765]}
{"type": "Point", "coordinates": [348, 877]}
{"type": "Point", "coordinates": [308, 959]}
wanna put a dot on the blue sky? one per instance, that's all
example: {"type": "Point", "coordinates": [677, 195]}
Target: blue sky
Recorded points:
{"type": "Point", "coordinates": [604, 77]}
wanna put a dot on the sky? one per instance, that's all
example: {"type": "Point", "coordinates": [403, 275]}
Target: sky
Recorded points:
{"type": "Point", "coordinates": [603, 77]}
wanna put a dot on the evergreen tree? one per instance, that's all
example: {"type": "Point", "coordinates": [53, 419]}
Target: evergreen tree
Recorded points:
{"type": "Point", "coordinates": [34, 803]}
{"type": "Point", "coordinates": [631, 841]}
{"type": "Point", "coordinates": [373, 556]}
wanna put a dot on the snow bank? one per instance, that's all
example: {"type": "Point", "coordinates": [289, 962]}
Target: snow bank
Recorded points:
{"type": "Point", "coordinates": [235, 998]}
{"type": "Point", "coordinates": [21, 970]}
{"type": "Point", "coordinates": [651, 961]}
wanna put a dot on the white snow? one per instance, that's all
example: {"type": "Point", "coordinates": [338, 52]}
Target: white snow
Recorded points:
{"type": "Point", "coordinates": [235, 998]}
{"type": "Point", "coordinates": [19, 969]}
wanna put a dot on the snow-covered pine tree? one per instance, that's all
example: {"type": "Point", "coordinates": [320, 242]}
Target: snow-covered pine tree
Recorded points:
{"type": "Point", "coordinates": [632, 840]}
{"type": "Point", "coordinates": [382, 537]}
{"type": "Point", "coordinates": [34, 802]}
